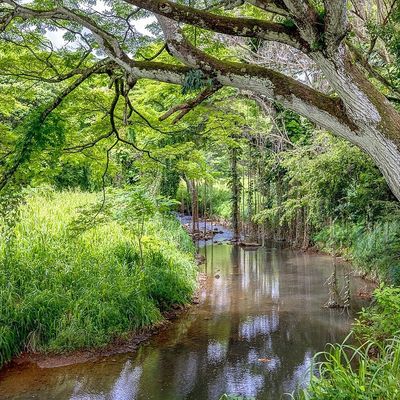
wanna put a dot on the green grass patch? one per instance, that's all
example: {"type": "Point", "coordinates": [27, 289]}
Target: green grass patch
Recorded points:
{"type": "Point", "coordinates": [350, 373]}
{"type": "Point", "coordinates": [64, 288]}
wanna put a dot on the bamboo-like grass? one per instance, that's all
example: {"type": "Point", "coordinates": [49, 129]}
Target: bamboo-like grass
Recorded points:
{"type": "Point", "coordinates": [62, 289]}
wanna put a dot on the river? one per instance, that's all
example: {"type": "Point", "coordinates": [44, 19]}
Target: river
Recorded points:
{"type": "Point", "coordinates": [259, 322]}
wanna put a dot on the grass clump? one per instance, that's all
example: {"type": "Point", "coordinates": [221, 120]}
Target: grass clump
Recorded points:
{"type": "Point", "coordinates": [378, 249]}
{"type": "Point", "coordinates": [370, 371]}
{"type": "Point", "coordinates": [349, 373]}
{"type": "Point", "coordinates": [64, 288]}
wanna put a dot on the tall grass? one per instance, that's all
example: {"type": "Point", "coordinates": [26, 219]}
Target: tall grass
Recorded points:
{"type": "Point", "coordinates": [63, 289]}
{"type": "Point", "coordinates": [370, 371]}
{"type": "Point", "coordinates": [349, 373]}
{"type": "Point", "coordinates": [378, 250]}
{"type": "Point", "coordinates": [374, 250]}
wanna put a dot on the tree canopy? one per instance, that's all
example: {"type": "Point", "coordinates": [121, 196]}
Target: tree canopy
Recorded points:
{"type": "Point", "coordinates": [334, 62]}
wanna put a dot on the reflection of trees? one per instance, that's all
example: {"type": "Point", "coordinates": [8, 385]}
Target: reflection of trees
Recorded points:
{"type": "Point", "coordinates": [251, 320]}
{"type": "Point", "coordinates": [266, 305]}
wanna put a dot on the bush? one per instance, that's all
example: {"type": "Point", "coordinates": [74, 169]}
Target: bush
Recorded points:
{"type": "Point", "coordinates": [378, 251]}
{"type": "Point", "coordinates": [63, 288]}
{"type": "Point", "coordinates": [382, 320]}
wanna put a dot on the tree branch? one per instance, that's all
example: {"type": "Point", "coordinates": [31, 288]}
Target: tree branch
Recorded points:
{"type": "Point", "coordinates": [295, 96]}
{"type": "Point", "coordinates": [247, 27]}
{"type": "Point", "coordinates": [336, 24]}
{"type": "Point", "coordinates": [274, 7]}
{"type": "Point", "coordinates": [85, 74]}
{"type": "Point", "coordinates": [24, 154]}
{"type": "Point", "coordinates": [306, 19]}
{"type": "Point", "coordinates": [188, 106]}
{"type": "Point", "coordinates": [106, 40]}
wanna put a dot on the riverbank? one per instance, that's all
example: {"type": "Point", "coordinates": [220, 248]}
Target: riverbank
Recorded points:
{"type": "Point", "coordinates": [127, 343]}
{"type": "Point", "coordinates": [259, 321]}
{"type": "Point", "coordinates": [67, 283]}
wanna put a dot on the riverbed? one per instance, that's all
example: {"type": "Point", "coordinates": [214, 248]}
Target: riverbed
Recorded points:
{"type": "Point", "coordinates": [259, 321]}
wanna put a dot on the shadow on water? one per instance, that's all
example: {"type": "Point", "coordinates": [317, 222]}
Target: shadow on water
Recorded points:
{"type": "Point", "coordinates": [259, 322]}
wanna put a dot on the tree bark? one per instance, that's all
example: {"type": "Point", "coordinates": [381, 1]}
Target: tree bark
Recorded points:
{"type": "Point", "coordinates": [235, 196]}
{"type": "Point", "coordinates": [192, 189]}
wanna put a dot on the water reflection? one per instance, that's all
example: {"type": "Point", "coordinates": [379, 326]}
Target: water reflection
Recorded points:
{"type": "Point", "coordinates": [258, 325]}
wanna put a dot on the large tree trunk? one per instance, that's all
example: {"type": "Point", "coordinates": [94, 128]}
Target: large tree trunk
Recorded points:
{"type": "Point", "coordinates": [376, 124]}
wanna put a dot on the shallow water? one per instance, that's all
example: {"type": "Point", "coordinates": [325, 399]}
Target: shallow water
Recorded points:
{"type": "Point", "coordinates": [259, 322]}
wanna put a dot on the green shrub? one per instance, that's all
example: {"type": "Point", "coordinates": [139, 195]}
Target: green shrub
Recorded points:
{"type": "Point", "coordinates": [63, 288]}
{"type": "Point", "coordinates": [382, 320]}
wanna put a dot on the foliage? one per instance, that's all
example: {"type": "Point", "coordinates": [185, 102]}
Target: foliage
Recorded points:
{"type": "Point", "coordinates": [195, 80]}
{"type": "Point", "coordinates": [74, 175]}
{"type": "Point", "coordinates": [338, 237]}
{"type": "Point", "coordinates": [346, 372]}
{"type": "Point", "coordinates": [388, 33]}
{"type": "Point", "coordinates": [343, 180]}
{"type": "Point", "coordinates": [378, 250]}
{"type": "Point", "coordinates": [169, 181]}
{"type": "Point", "coordinates": [374, 249]}
{"type": "Point", "coordinates": [382, 321]}
{"type": "Point", "coordinates": [61, 289]}
{"type": "Point", "coordinates": [217, 196]}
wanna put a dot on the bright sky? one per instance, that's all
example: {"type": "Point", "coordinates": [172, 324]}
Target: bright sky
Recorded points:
{"type": "Point", "coordinates": [56, 37]}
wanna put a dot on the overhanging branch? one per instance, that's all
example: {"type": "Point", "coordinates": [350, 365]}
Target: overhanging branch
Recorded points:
{"type": "Point", "coordinates": [247, 27]}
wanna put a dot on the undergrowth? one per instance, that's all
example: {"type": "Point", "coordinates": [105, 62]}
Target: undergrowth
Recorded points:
{"type": "Point", "coordinates": [374, 250]}
{"type": "Point", "coordinates": [369, 371]}
{"type": "Point", "coordinates": [346, 372]}
{"type": "Point", "coordinates": [66, 285]}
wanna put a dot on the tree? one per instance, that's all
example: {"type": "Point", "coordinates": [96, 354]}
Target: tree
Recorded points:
{"type": "Point", "coordinates": [357, 109]}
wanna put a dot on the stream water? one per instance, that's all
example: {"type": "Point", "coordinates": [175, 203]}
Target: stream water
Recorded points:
{"type": "Point", "coordinates": [259, 322]}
